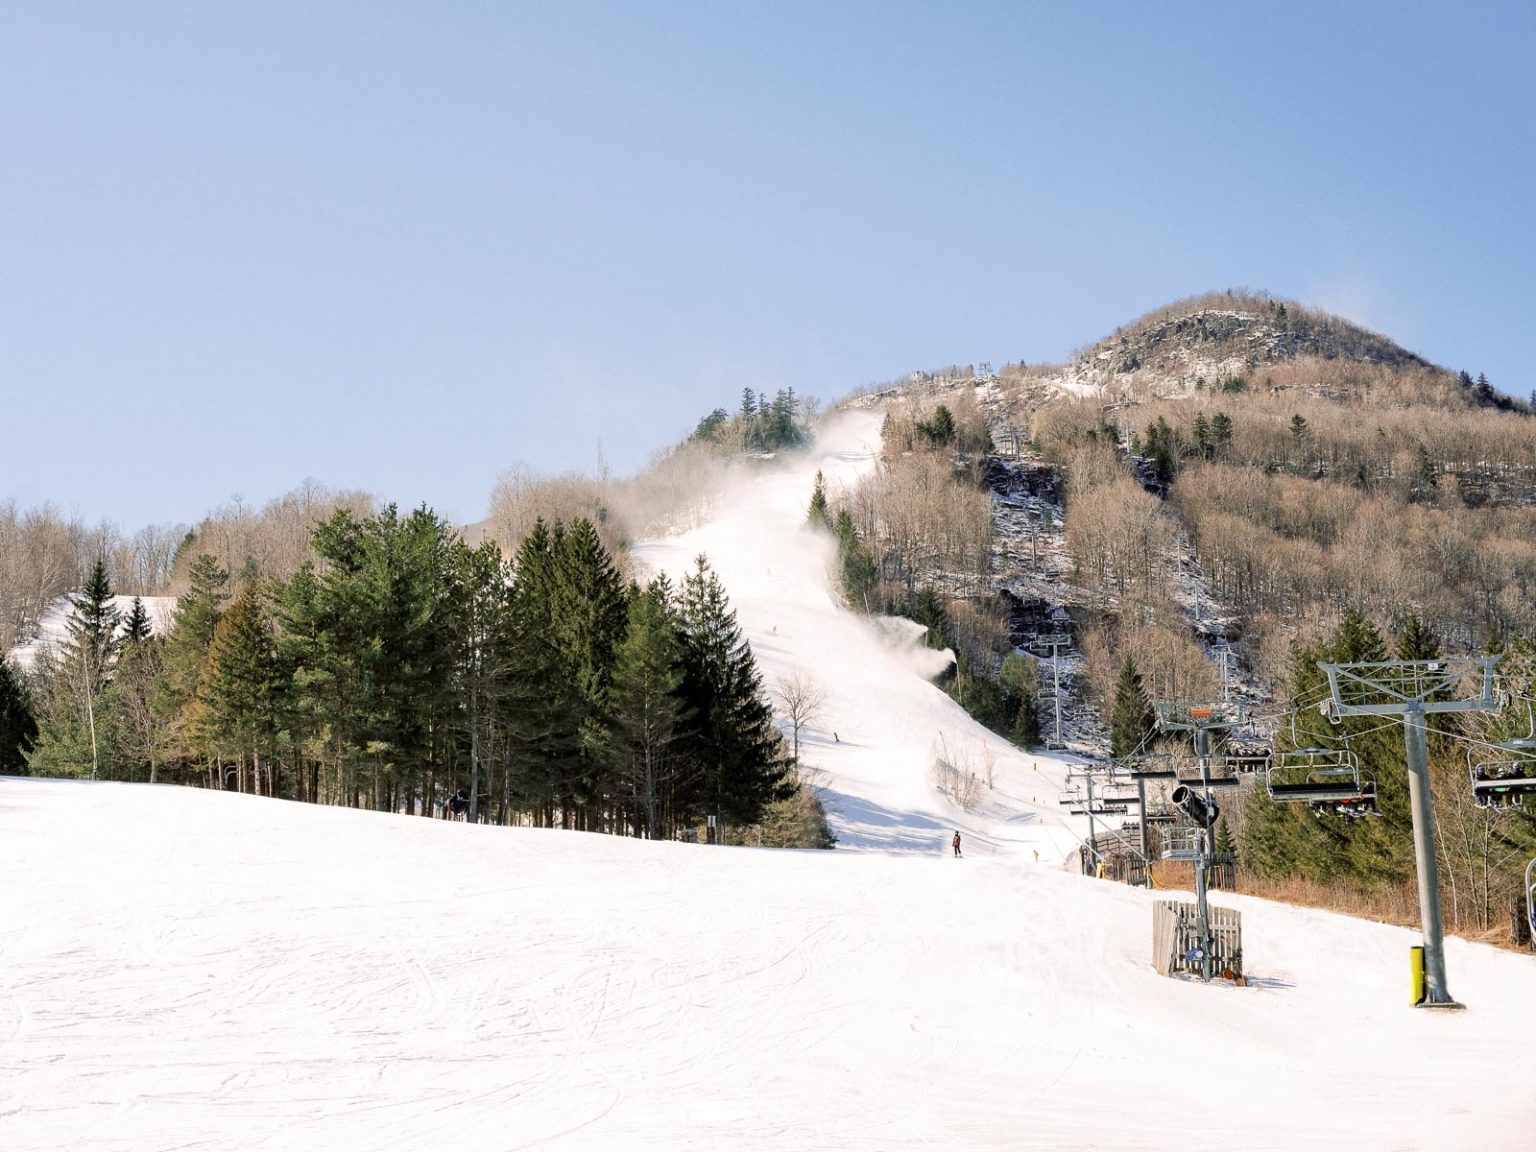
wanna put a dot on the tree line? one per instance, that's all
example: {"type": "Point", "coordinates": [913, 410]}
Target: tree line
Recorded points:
{"type": "Point", "coordinates": [400, 665]}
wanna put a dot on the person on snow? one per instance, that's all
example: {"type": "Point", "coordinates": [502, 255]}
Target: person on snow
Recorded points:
{"type": "Point", "coordinates": [458, 805]}
{"type": "Point", "coordinates": [956, 842]}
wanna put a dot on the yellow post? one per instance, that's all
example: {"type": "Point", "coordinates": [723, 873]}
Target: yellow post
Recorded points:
{"type": "Point", "coordinates": [1416, 967]}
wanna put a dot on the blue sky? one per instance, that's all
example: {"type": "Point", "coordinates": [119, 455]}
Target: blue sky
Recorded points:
{"type": "Point", "coordinates": [404, 247]}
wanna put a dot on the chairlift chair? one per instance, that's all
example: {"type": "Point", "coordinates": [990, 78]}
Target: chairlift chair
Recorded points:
{"type": "Point", "coordinates": [1328, 779]}
{"type": "Point", "coordinates": [1503, 774]}
{"type": "Point", "coordinates": [1153, 766]}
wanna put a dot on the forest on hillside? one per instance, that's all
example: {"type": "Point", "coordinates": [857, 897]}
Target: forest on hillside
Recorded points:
{"type": "Point", "coordinates": [401, 665]}
{"type": "Point", "coordinates": [1329, 497]}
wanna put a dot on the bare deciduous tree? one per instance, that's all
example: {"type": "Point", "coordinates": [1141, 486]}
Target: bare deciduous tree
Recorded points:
{"type": "Point", "coordinates": [802, 697]}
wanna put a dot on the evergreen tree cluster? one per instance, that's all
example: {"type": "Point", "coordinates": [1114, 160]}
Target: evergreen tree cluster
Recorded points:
{"type": "Point", "coordinates": [404, 665]}
{"type": "Point", "coordinates": [1288, 839]}
{"type": "Point", "coordinates": [1166, 447]}
{"type": "Point", "coordinates": [763, 423]}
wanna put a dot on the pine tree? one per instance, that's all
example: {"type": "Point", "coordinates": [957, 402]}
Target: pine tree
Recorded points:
{"type": "Point", "coordinates": [92, 628]}
{"type": "Point", "coordinates": [91, 647]}
{"type": "Point", "coordinates": [132, 700]}
{"type": "Point", "coordinates": [136, 627]}
{"type": "Point", "coordinates": [186, 647]}
{"type": "Point", "coordinates": [817, 517]}
{"type": "Point", "coordinates": [1203, 443]}
{"type": "Point", "coordinates": [1021, 678]}
{"type": "Point", "coordinates": [588, 617]}
{"type": "Point", "coordinates": [1221, 432]}
{"type": "Point", "coordinates": [732, 738]}
{"type": "Point", "coordinates": [1133, 720]}
{"type": "Point", "coordinates": [18, 726]}
{"type": "Point", "coordinates": [856, 569]}
{"type": "Point", "coordinates": [646, 708]}
{"type": "Point", "coordinates": [928, 610]}
{"type": "Point", "coordinates": [239, 691]}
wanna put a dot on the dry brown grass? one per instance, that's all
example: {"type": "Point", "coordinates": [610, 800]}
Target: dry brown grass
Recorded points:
{"type": "Point", "coordinates": [1397, 905]}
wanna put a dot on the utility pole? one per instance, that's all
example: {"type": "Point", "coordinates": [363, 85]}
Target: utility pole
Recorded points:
{"type": "Point", "coordinates": [1411, 689]}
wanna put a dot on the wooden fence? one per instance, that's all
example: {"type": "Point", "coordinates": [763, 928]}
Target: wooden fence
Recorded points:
{"type": "Point", "coordinates": [1176, 934]}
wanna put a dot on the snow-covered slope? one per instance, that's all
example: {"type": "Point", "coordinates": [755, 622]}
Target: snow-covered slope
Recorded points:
{"type": "Point", "coordinates": [192, 969]}
{"type": "Point", "coordinates": [53, 628]}
{"type": "Point", "coordinates": [884, 722]}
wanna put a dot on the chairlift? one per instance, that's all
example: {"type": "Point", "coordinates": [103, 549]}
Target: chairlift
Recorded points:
{"type": "Point", "coordinates": [1070, 797]}
{"type": "Point", "coordinates": [1152, 766]}
{"type": "Point", "coordinates": [1328, 779]}
{"type": "Point", "coordinates": [1503, 774]}
{"type": "Point", "coordinates": [1245, 761]}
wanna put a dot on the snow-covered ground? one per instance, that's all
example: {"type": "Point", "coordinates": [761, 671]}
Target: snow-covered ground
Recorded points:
{"type": "Point", "coordinates": [192, 969]}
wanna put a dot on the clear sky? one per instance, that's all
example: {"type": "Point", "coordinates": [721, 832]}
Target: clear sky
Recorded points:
{"type": "Point", "coordinates": [407, 246]}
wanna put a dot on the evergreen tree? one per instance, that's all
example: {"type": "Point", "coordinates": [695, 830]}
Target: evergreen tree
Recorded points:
{"type": "Point", "coordinates": [1204, 445]}
{"type": "Point", "coordinates": [92, 629]}
{"type": "Point", "coordinates": [239, 692]}
{"type": "Point", "coordinates": [928, 610]}
{"type": "Point", "coordinates": [136, 626]}
{"type": "Point", "coordinates": [132, 701]}
{"type": "Point", "coordinates": [856, 570]}
{"type": "Point", "coordinates": [1221, 432]}
{"type": "Point", "coordinates": [90, 650]}
{"type": "Point", "coordinates": [646, 708]}
{"type": "Point", "coordinates": [588, 617]}
{"type": "Point", "coordinates": [731, 738]}
{"type": "Point", "coordinates": [18, 726]}
{"type": "Point", "coordinates": [186, 647]}
{"type": "Point", "coordinates": [1020, 677]}
{"type": "Point", "coordinates": [1133, 720]}
{"type": "Point", "coordinates": [818, 516]}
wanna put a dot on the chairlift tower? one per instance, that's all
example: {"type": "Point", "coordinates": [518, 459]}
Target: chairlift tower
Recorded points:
{"type": "Point", "coordinates": [1201, 719]}
{"type": "Point", "coordinates": [1055, 643]}
{"type": "Point", "coordinates": [1411, 689]}
{"type": "Point", "coordinates": [1530, 896]}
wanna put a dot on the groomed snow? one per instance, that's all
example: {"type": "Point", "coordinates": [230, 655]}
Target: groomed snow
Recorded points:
{"type": "Point", "coordinates": [191, 969]}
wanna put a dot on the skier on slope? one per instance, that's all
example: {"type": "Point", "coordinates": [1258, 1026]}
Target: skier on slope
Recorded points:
{"type": "Point", "coordinates": [458, 805]}
{"type": "Point", "coordinates": [956, 842]}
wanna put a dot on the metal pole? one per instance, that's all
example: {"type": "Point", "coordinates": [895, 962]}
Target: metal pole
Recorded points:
{"type": "Point", "coordinates": [1435, 989]}
{"type": "Point", "coordinates": [1141, 804]}
{"type": "Point", "coordinates": [1056, 679]}
{"type": "Point", "coordinates": [1093, 836]}
{"type": "Point", "coordinates": [1202, 749]}
{"type": "Point", "coordinates": [1203, 911]}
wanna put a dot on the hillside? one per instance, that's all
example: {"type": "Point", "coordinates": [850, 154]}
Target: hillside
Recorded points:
{"type": "Point", "coordinates": [179, 978]}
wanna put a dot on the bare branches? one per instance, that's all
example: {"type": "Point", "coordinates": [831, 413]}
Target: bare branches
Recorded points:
{"type": "Point", "coordinates": [802, 698]}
